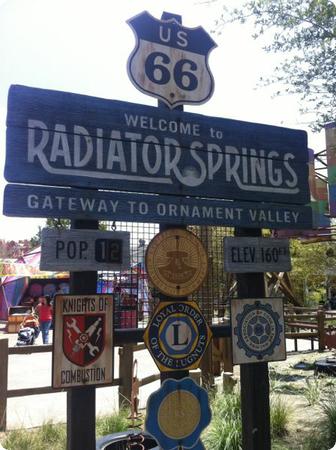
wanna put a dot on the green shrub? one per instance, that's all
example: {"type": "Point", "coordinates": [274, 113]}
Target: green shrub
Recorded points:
{"type": "Point", "coordinates": [224, 431]}
{"type": "Point", "coordinates": [312, 391]}
{"type": "Point", "coordinates": [280, 417]}
{"type": "Point", "coordinates": [329, 418]}
{"type": "Point", "coordinates": [114, 423]}
{"type": "Point", "coordinates": [49, 435]}
{"type": "Point", "coordinates": [53, 436]}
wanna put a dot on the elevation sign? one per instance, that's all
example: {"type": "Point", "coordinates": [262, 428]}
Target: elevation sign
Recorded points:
{"type": "Point", "coordinates": [57, 138]}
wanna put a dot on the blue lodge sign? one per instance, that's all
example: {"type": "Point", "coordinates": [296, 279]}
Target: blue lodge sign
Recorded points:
{"type": "Point", "coordinates": [62, 139]}
{"type": "Point", "coordinates": [177, 336]}
{"type": "Point", "coordinates": [170, 61]}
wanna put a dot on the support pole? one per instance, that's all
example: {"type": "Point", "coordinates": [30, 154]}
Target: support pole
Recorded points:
{"type": "Point", "coordinates": [125, 375]}
{"type": "Point", "coordinates": [3, 383]}
{"type": "Point", "coordinates": [320, 330]}
{"type": "Point", "coordinates": [81, 401]}
{"type": "Point", "coordinates": [177, 374]}
{"type": "Point", "coordinates": [254, 380]}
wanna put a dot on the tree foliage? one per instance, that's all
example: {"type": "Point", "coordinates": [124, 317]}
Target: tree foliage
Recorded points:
{"type": "Point", "coordinates": [312, 265]}
{"type": "Point", "coordinates": [304, 31]}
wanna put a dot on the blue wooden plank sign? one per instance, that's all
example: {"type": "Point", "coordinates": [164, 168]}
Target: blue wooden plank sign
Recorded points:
{"type": "Point", "coordinates": [42, 201]}
{"type": "Point", "coordinates": [64, 139]}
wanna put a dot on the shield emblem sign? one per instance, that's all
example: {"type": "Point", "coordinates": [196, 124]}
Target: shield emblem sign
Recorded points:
{"type": "Point", "coordinates": [83, 338]}
{"type": "Point", "coordinates": [170, 62]}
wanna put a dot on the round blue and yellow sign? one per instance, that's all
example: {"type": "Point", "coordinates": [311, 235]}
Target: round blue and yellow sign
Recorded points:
{"type": "Point", "coordinates": [177, 413]}
{"type": "Point", "coordinates": [177, 336]}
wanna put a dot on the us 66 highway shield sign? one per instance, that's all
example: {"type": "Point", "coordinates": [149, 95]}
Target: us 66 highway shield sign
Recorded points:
{"type": "Point", "coordinates": [169, 61]}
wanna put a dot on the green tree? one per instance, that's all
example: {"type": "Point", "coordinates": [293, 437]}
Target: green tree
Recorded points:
{"type": "Point", "coordinates": [312, 268]}
{"type": "Point", "coordinates": [60, 224]}
{"type": "Point", "coordinates": [35, 241]}
{"type": "Point", "coordinates": [304, 31]}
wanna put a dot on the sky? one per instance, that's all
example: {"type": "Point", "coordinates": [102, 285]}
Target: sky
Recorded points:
{"type": "Point", "coordinates": [82, 46]}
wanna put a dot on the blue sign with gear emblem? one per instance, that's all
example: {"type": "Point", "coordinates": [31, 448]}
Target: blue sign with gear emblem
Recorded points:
{"type": "Point", "coordinates": [177, 336]}
{"type": "Point", "coordinates": [177, 413]}
{"type": "Point", "coordinates": [257, 330]}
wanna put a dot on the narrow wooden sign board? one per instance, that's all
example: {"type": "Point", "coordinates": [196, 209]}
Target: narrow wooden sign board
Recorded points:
{"type": "Point", "coordinates": [83, 340]}
{"type": "Point", "coordinates": [82, 250]}
{"type": "Point", "coordinates": [254, 254]}
{"type": "Point", "coordinates": [257, 330]}
{"type": "Point", "coordinates": [47, 201]}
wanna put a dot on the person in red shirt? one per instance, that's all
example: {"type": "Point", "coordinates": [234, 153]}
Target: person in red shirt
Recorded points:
{"type": "Point", "coordinates": [45, 312]}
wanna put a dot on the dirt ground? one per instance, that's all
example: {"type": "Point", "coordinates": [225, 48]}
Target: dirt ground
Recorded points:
{"type": "Point", "coordinates": [302, 389]}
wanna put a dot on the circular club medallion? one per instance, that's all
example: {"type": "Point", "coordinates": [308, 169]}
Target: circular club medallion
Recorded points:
{"type": "Point", "coordinates": [176, 262]}
{"type": "Point", "coordinates": [177, 335]}
{"type": "Point", "coordinates": [177, 406]}
{"type": "Point", "coordinates": [177, 413]}
{"type": "Point", "coordinates": [258, 330]}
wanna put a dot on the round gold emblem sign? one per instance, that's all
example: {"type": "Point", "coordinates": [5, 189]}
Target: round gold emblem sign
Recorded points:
{"type": "Point", "coordinates": [176, 262]}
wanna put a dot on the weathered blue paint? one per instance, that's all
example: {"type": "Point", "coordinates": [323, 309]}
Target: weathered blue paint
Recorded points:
{"type": "Point", "coordinates": [170, 61]}
{"type": "Point", "coordinates": [64, 139]}
{"type": "Point", "coordinates": [41, 201]}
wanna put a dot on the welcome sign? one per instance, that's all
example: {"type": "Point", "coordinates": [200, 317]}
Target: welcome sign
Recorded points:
{"type": "Point", "coordinates": [64, 139]}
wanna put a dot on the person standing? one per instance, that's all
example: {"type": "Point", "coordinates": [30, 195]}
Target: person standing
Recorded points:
{"type": "Point", "coordinates": [45, 312]}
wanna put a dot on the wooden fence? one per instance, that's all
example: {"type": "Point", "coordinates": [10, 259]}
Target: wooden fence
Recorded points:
{"type": "Point", "coordinates": [315, 324]}
{"type": "Point", "coordinates": [126, 356]}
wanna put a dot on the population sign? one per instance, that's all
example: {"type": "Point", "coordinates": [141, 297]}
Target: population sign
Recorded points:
{"type": "Point", "coordinates": [177, 336]}
{"type": "Point", "coordinates": [83, 340]}
{"type": "Point", "coordinates": [170, 61]}
{"type": "Point", "coordinates": [81, 250]}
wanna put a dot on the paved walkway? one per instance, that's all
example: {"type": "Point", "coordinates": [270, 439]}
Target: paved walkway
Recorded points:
{"type": "Point", "coordinates": [27, 371]}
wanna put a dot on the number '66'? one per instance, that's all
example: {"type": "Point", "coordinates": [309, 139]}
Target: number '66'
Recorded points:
{"type": "Point", "coordinates": [157, 71]}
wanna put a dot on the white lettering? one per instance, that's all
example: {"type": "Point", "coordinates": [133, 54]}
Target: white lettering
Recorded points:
{"type": "Point", "coordinates": [32, 201]}
{"type": "Point", "coordinates": [78, 160]}
{"type": "Point", "coordinates": [60, 146]}
{"type": "Point", "coordinates": [33, 149]}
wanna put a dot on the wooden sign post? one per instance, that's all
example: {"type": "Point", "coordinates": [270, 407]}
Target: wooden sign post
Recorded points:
{"type": "Point", "coordinates": [254, 380]}
{"type": "Point", "coordinates": [111, 160]}
{"type": "Point", "coordinates": [81, 428]}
